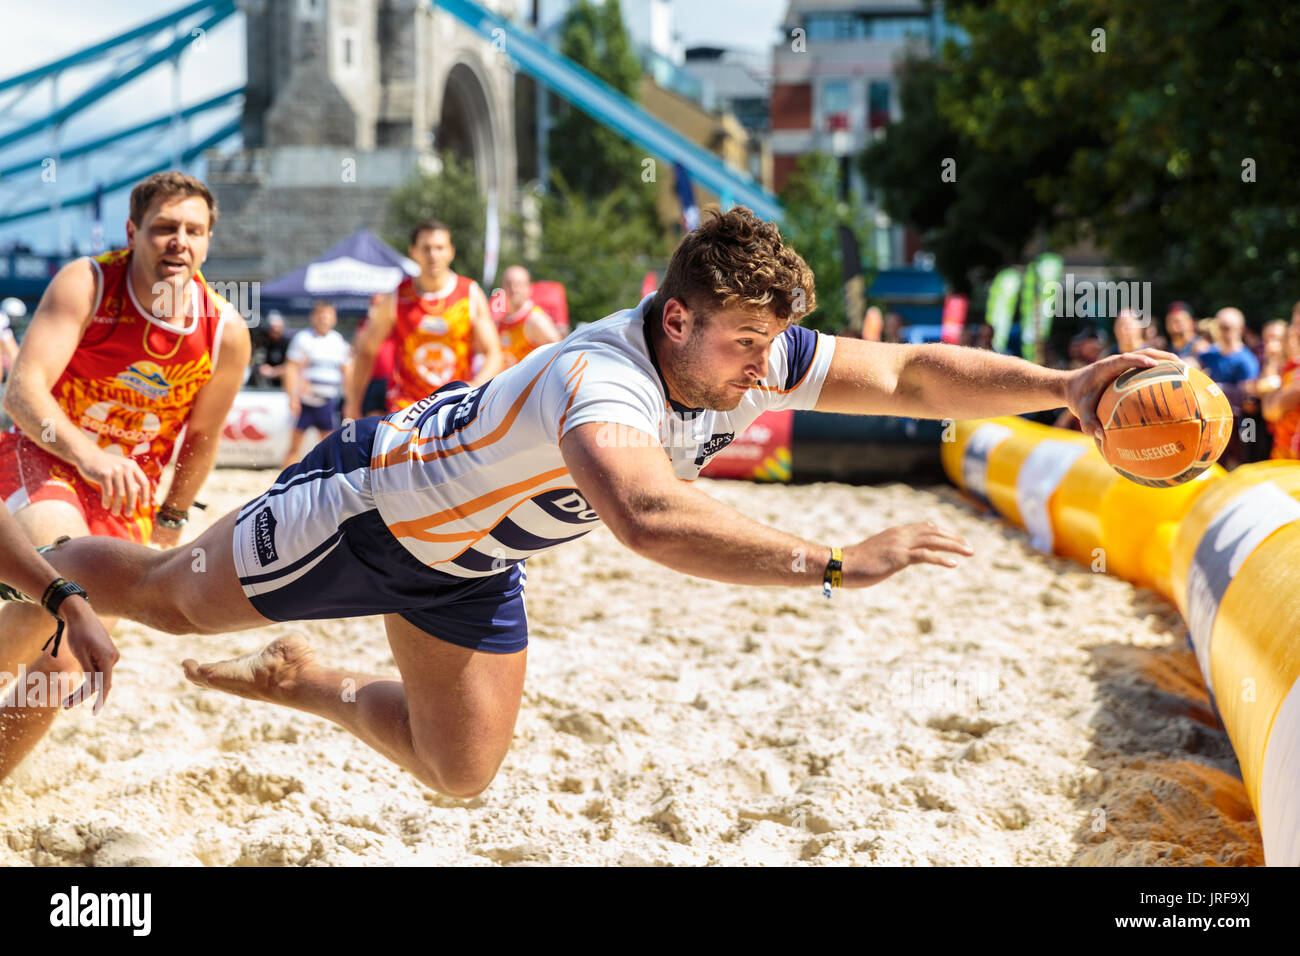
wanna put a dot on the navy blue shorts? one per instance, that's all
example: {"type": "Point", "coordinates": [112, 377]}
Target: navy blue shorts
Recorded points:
{"type": "Point", "coordinates": [314, 546]}
{"type": "Point", "coordinates": [324, 418]}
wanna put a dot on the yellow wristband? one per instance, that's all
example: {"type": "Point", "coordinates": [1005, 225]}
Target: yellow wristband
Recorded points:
{"type": "Point", "coordinates": [834, 576]}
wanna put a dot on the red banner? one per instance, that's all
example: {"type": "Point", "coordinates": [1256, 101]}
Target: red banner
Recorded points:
{"type": "Point", "coordinates": [954, 318]}
{"type": "Point", "coordinates": [760, 453]}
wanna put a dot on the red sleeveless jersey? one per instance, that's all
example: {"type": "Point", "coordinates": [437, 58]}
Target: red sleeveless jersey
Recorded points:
{"type": "Point", "coordinates": [515, 344]}
{"type": "Point", "coordinates": [133, 377]}
{"type": "Point", "coordinates": [432, 337]}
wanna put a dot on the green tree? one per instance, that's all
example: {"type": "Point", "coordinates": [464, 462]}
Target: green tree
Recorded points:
{"type": "Point", "coordinates": [451, 197]}
{"type": "Point", "coordinates": [1162, 134]}
{"type": "Point", "coordinates": [591, 158]}
{"type": "Point", "coordinates": [974, 225]}
{"type": "Point", "coordinates": [599, 253]}
{"type": "Point", "coordinates": [813, 215]}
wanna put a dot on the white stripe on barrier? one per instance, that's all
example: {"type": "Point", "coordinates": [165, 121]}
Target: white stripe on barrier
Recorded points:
{"type": "Point", "coordinates": [1279, 810]}
{"type": "Point", "coordinates": [975, 457]}
{"type": "Point", "coordinates": [1236, 531]}
{"type": "Point", "coordinates": [1039, 476]}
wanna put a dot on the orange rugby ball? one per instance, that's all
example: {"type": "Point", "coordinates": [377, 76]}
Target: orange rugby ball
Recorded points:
{"type": "Point", "coordinates": [1164, 425]}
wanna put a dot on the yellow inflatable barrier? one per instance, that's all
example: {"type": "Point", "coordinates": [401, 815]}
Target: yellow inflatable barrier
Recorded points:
{"type": "Point", "coordinates": [1224, 547]}
{"type": "Point", "coordinates": [1055, 484]}
{"type": "Point", "coordinates": [1235, 568]}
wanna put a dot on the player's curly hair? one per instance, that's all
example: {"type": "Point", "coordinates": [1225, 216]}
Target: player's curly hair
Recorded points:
{"type": "Point", "coordinates": [736, 260]}
{"type": "Point", "coordinates": [169, 184]}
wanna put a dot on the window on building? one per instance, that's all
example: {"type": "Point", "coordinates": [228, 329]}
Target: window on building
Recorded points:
{"type": "Point", "coordinates": [878, 104]}
{"type": "Point", "coordinates": [898, 28]}
{"type": "Point", "coordinates": [833, 26]}
{"type": "Point", "coordinates": [835, 106]}
{"type": "Point", "coordinates": [835, 96]}
{"type": "Point", "coordinates": [347, 51]}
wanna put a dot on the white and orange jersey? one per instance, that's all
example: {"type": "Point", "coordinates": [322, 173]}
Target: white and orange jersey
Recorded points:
{"type": "Point", "coordinates": [471, 481]}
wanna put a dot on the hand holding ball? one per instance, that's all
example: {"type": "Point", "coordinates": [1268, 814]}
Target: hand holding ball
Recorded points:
{"type": "Point", "coordinates": [1164, 425]}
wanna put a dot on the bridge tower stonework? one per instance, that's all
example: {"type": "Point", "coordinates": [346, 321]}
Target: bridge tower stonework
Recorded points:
{"type": "Point", "coordinates": [345, 99]}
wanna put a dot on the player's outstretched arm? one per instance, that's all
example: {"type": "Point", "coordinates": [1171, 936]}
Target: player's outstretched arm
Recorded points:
{"type": "Point", "coordinates": [23, 568]}
{"type": "Point", "coordinates": [636, 494]}
{"type": "Point", "coordinates": [946, 381]}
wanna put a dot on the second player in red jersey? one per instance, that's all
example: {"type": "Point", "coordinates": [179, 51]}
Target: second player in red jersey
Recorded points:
{"type": "Point", "coordinates": [439, 322]}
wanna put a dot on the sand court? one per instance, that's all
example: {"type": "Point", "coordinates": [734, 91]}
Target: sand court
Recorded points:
{"type": "Point", "coordinates": [1016, 710]}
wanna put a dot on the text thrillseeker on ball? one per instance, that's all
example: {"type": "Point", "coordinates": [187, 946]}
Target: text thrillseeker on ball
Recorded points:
{"type": "Point", "coordinates": [1150, 454]}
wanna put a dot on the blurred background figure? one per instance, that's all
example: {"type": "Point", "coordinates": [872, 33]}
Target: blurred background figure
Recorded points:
{"type": "Point", "coordinates": [1130, 334]}
{"type": "Point", "coordinates": [524, 325]}
{"type": "Point", "coordinates": [1272, 357]}
{"type": "Point", "coordinates": [873, 323]}
{"type": "Point", "coordinates": [1209, 333]}
{"type": "Point", "coordinates": [317, 366]}
{"type": "Point", "coordinates": [1281, 406]}
{"type": "Point", "coordinates": [11, 310]}
{"type": "Point", "coordinates": [1085, 348]}
{"type": "Point", "coordinates": [374, 400]}
{"type": "Point", "coordinates": [270, 352]}
{"type": "Point", "coordinates": [894, 329]}
{"type": "Point", "coordinates": [1184, 339]}
{"type": "Point", "coordinates": [1229, 362]}
{"type": "Point", "coordinates": [1234, 368]}
{"type": "Point", "coordinates": [1153, 338]}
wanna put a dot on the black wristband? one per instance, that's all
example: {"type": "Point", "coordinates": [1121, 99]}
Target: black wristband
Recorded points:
{"type": "Point", "coordinates": [58, 591]}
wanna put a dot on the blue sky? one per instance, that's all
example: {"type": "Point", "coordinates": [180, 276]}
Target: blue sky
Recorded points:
{"type": "Point", "coordinates": [36, 34]}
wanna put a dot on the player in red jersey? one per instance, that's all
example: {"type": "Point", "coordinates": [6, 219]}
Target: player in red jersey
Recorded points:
{"type": "Point", "coordinates": [524, 326]}
{"type": "Point", "coordinates": [124, 352]}
{"type": "Point", "coordinates": [438, 319]}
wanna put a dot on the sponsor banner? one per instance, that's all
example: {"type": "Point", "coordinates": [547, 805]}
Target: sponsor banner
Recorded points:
{"type": "Point", "coordinates": [346, 274]}
{"type": "Point", "coordinates": [1037, 305]}
{"type": "Point", "coordinates": [1002, 306]}
{"type": "Point", "coordinates": [1040, 475]}
{"type": "Point", "coordinates": [760, 453]}
{"type": "Point", "coordinates": [954, 318]}
{"type": "Point", "coordinates": [256, 433]}
{"type": "Point", "coordinates": [1235, 532]}
{"type": "Point", "coordinates": [975, 458]}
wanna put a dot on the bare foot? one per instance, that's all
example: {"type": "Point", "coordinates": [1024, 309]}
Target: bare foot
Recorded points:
{"type": "Point", "coordinates": [262, 675]}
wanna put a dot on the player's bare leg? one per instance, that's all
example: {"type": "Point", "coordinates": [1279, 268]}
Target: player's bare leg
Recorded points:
{"type": "Point", "coordinates": [449, 720]}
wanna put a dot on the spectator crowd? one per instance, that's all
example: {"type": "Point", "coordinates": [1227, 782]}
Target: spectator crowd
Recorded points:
{"type": "Point", "coordinates": [1259, 372]}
